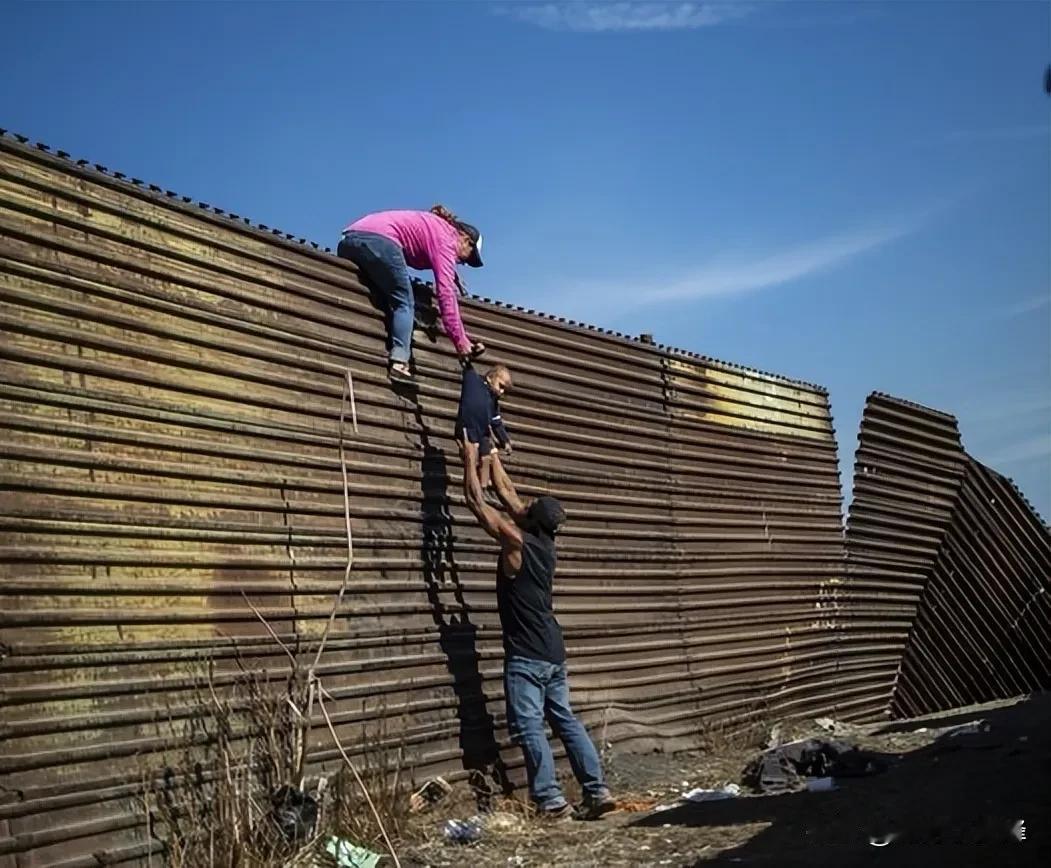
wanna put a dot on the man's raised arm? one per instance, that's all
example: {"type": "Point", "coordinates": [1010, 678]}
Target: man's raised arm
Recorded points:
{"type": "Point", "coordinates": [495, 523]}
{"type": "Point", "coordinates": [505, 490]}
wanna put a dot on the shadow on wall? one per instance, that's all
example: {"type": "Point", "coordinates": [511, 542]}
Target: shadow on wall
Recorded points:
{"type": "Point", "coordinates": [962, 802]}
{"type": "Point", "coordinates": [458, 636]}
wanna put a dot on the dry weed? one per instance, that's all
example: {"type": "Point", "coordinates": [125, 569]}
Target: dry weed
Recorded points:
{"type": "Point", "coordinates": [213, 802]}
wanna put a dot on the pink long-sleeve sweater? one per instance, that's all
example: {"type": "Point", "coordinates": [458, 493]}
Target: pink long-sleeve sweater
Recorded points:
{"type": "Point", "coordinates": [428, 241]}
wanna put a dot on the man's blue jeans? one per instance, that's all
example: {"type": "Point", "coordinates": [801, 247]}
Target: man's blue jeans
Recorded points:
{"type": "Point", "coordinates": [534, 690]}
{"type": "Point", "coordinates": [383, 263]}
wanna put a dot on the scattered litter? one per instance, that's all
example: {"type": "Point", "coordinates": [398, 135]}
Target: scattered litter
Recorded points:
{"type": "Point", "coordinates": [820, 785]}
{"type": "Point", "coordinates": [774, 739]}
{"type": "Point", "coordinates": [463, 831]}
{"type": "Point", "coordinates": [350, 855]}
{"type": "Point", "coordinates": [429, 795]}
{"type": "Point", "coordinates": [515, 860]}
{"type": "Point", "coordinates": [835, 727]}
{"type": "Point", "coordinates": [294, 813]}
{"type": "Point", "coordinates": [730, 791]}
{"type": "Point", "coordinates": [972, 728]}
{"type": "Point", "coordinates": [501, 821]}
{"type": "Point", "coordinates": [975, 735]}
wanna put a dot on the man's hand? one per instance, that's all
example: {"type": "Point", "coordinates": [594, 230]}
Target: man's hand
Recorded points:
{"type": "Point", "coordinates": [508, 450]}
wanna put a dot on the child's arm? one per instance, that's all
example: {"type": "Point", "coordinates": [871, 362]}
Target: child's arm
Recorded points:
{"type": "Point", "coordinates": [496, 424]}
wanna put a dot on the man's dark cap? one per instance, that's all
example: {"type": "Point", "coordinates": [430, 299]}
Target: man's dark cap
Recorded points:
{"type": "Point", "coordinates": [546, 513]}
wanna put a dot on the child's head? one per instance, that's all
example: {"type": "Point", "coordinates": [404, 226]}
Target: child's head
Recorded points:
{"type": "Point", "coordinates": [499, 379]}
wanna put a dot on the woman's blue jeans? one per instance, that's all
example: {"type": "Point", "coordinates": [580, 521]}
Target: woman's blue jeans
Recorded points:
{"type": "Point", "coordinates": [383, 264]}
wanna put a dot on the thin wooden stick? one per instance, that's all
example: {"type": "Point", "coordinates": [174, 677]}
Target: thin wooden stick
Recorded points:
{"type": "Point", "coordinates": [149, 830]}
{"type": "Point", "coordinates": [353, 405]}
{"type": "Point", "coordinates": [270, 629]}
{"type": "Point", "coordinates": [348, 386]}
{"type": "Point", "coordinates": [321, 703]}
{"type": "Point", "coordinates": [304, 748]}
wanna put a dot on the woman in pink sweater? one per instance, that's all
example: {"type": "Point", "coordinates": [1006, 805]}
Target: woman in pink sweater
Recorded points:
{"type": "Point", "coordinates": [385, 245]}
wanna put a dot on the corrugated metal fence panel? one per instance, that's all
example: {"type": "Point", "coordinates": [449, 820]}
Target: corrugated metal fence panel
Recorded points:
{"type": "Point", "coordinates": [955, 565]}
{"type": "Point", "coordinates": [170, 385]}
{"type": "Point", "coordinates": [983, 630]}
{"type": "Point", "coordinates": [907, 474]}
{"type": "Point", "coordinates": [755, 609]}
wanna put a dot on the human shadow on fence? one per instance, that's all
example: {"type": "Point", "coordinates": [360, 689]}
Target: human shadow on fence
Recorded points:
{"type": "Point", "coordinates": [457, 633]}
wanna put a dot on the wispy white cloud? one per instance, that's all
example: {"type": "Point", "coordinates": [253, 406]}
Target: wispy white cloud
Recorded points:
{"type": "Point", "coordinates": [588, 17]}
{"type": "Point", "coordinates": [781, 266]}
{"type": "Point", "coordinates": [734, 275]}
{"type": "Point", "coordinates": [1028, 449]}
{"type": "Point", "coordinates": [991, 409]}
{"type": "Point", "coordinates": [1005, 419]}
{"type": "Point", "coordinates": [1028, 305]}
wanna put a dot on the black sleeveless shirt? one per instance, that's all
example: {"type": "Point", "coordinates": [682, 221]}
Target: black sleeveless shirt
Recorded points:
{"type": "Point", "coordinates": [526, 615]}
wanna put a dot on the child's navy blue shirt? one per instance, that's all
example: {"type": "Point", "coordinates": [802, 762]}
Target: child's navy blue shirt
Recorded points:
{"type": "Point", "coordinates": [479, 411]}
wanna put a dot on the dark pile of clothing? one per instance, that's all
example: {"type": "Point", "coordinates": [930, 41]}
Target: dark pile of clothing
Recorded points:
{"type": "Point", "coordinates": [789, 767]}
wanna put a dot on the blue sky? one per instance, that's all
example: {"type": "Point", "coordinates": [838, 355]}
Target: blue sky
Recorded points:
{"type": "Point", "coordinates": [855, 194]}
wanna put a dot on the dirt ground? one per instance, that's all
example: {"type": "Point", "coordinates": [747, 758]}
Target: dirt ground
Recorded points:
{"type": "Point", "coordinates": [972, 800]}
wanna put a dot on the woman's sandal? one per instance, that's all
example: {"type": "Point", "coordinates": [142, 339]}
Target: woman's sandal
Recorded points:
{"type": "Point", "coordinates": [400, 372]}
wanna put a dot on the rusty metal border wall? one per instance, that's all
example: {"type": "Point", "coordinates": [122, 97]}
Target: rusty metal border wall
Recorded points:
{"type": "Point", "coordinates": [170, 384]}
{"type": "Point", "coordinates": [983, 630]}
{"type": "Point", "coordinates": [907, 473]}
{"type": "Point", "coordinates": [958, 559]}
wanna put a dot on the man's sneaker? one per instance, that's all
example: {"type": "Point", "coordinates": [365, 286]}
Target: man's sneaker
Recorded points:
{"type": "Point", "coordinates": [562, 812]}
{"type": "Point", "coordinates": [594, 807]}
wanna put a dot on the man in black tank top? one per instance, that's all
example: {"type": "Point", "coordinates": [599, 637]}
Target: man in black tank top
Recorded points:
{"type": "Point", "coordinates": [535, 682]}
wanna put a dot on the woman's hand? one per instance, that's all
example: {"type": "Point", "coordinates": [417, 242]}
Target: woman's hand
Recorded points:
{"type": "Point", "coordinates": [477, 348]}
